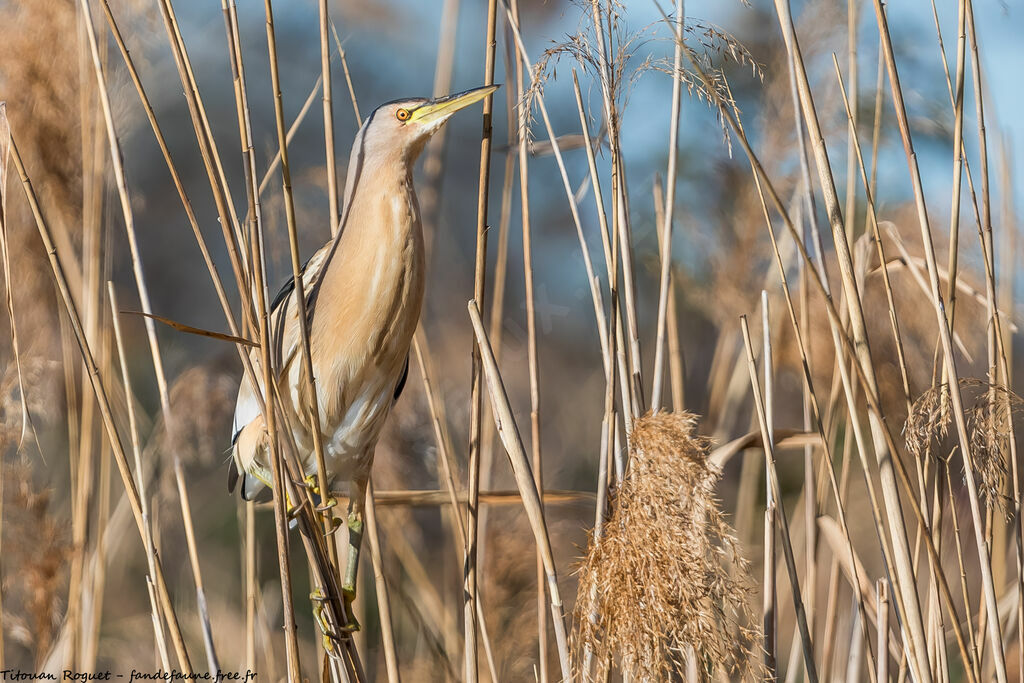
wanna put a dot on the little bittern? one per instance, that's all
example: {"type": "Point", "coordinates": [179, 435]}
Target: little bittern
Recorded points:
{"type": "Point", "coordinates": [363, 293]}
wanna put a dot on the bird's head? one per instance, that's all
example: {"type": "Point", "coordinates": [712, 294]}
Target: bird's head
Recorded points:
{"type": "Point", "coordinates": [403, 127]}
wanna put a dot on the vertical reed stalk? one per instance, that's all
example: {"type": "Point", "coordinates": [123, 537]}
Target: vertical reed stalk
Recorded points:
{"type": "Point", "coordinates": [140, 282]}
{"type": "Point", "coordinates": [666, 231]}
{"type": "Point", "coordinates": [787, 546]}
{"type": "Point", "coordinates": [946, 338]}
{"type": "Point", "coordinates": [383, 603]}
{"type": "Point", "coordinates": [531, 342]}
{"type": "Point", "coordinates": [905, 576]}
{"type": "Point", "coordinates": [769, 611]}
{"type": "Point", "coordinates": [325, 76]}
{"type": "Point", "coordinates": [882, 623]}
{"type": "Point", "coordinates": [476, 396]}
{"type": "Point", "coordinates": [532, 502]}
{"type": "Point", "coordinates": [101, 399]}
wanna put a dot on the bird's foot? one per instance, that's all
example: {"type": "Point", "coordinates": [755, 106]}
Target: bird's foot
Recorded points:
{"type": "Point", "coordinates": [324, 503]}
{"type": "Point", "coordinates": [328, 635]}
{"type": "Point", "coordinates": [324, 508]}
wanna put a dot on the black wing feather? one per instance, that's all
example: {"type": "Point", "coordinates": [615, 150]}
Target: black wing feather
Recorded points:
{"type": "Point", "coordinates": [402, 380]}
{"type": "Point", "coordinates": [288, 287]}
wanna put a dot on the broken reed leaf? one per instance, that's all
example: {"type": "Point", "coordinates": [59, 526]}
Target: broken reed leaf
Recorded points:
{"type": "Point", "coordinates": [182, 327]}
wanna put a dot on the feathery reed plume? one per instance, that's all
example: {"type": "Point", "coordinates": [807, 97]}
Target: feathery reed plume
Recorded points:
{"type": "Point", "coordinates": [988, 414]}
{"type": "Point", "coordinates": [37, 547]}
{"type": "Point", "coordinates": [666, 578]}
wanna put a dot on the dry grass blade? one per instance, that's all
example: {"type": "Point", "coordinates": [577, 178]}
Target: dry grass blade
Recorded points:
{"type": "Point", "coordinates": [667, 576]}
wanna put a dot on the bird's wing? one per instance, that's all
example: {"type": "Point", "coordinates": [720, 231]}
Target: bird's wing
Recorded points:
{"type": "Point", "coordinates": [284, 343]}
{"type": "Point", "coordinates": [284, 331]}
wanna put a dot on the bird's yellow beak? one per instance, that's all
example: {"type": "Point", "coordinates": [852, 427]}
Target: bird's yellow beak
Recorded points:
{"type": "Point", "coordinates": [443, 107]}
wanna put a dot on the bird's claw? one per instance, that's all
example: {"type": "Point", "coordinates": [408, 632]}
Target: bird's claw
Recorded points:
{"type": "Point", "coordinates": [291, 510]}
{"type": "Point", "coordinates": [335, 525]}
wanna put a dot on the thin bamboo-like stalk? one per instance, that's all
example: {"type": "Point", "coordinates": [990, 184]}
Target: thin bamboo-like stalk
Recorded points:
{"type": "Point", "coordinates": [912, 620]}
{"type": "Point", "coordinates": [140, 282]}
{"type": "Point", "coordinates": [140, 480]}
{"type": "Point", "coordinates": [91, 642]}
{"type": "Point", "coordinates": [348, 75]}
{"type": "Point", "coordinates": [325, 76]}
{"type": "Point", "coordinates": [946, 338]}
{"type": "Point", "coordinates": [675, 351]}
{"type": "Point", "coordinates": [787, 546]}
{"type": "Point", "coordinates": [443, 441]}
{"type": "Point", "coordinates": [852, 21]}
{"type": "Point", "coordinates": [102, 401]}
{"type": "Point", "coordinates": [958, 157]}
{"type": "Point", "coordinates": [498, 497]}
{"type": "Point", "coordinates": [9, 301]}
{"type": "Point", "coordinates": [769, 610]}
{"type": "Point", "coordinates": [666, 232]}
{"type": "Point", "coordinates": [249, 578]}
{"type": "Point", "coordinates": [613, 358]}
{"type": "Point", "coordinates": [73, 430]}
{"type": "Point", "coordinates": [430, 194]}
{"type": "Point", "coordinates": [208, 153]}
{"type": "Point", "coordinates": [882, 629]}
{"type": "Point", "coordinates": [531, 344]}
{"type": "Point", "coordinates": [570, 195]}
{"type": "Point", "coordinates": [615, 354]}
{"type": "Point", "coordinates": [509, 433]}
{"type": "Point", "coordinates": [1009, 265]}
{"type": "Point", "coordinates": [476, 393]}
{"type": "Point", "coordinates": [999, 351]}
{"type": "Point", "coordinates": [620, 219]}
{"type": "Point", "coordinates": [497, 312]}
{"type": "Point", "coordinates": [309, 385]}
{"type": "Point", "coordinates": [93, 184]}
{"type": "Point", "coordinates": [383, 602]}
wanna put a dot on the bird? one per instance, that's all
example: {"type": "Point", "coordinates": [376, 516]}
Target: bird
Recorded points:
{"type": "Point", "coordinates": [364, 292]}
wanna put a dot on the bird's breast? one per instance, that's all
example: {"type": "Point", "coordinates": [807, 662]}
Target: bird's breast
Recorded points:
{"type": "Point", "coordinates": [366, 314]}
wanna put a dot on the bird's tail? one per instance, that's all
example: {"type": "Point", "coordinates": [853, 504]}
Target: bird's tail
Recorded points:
{"type": "Point", "coordinates": [247, 447]}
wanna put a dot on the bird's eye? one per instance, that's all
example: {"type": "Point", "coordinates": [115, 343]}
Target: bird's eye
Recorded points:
{"type": "Point", "coordinates": [403, 114]}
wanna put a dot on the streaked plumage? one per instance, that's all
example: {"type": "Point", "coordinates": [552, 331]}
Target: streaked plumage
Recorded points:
{"type": "Point", "coordinates": [364, 290]}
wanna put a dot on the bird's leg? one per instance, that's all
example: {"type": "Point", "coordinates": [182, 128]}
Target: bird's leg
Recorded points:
{"type": "Point", "coordinates": [357, 499]}
{"type": "Point", "coordinates": [318, 598]}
